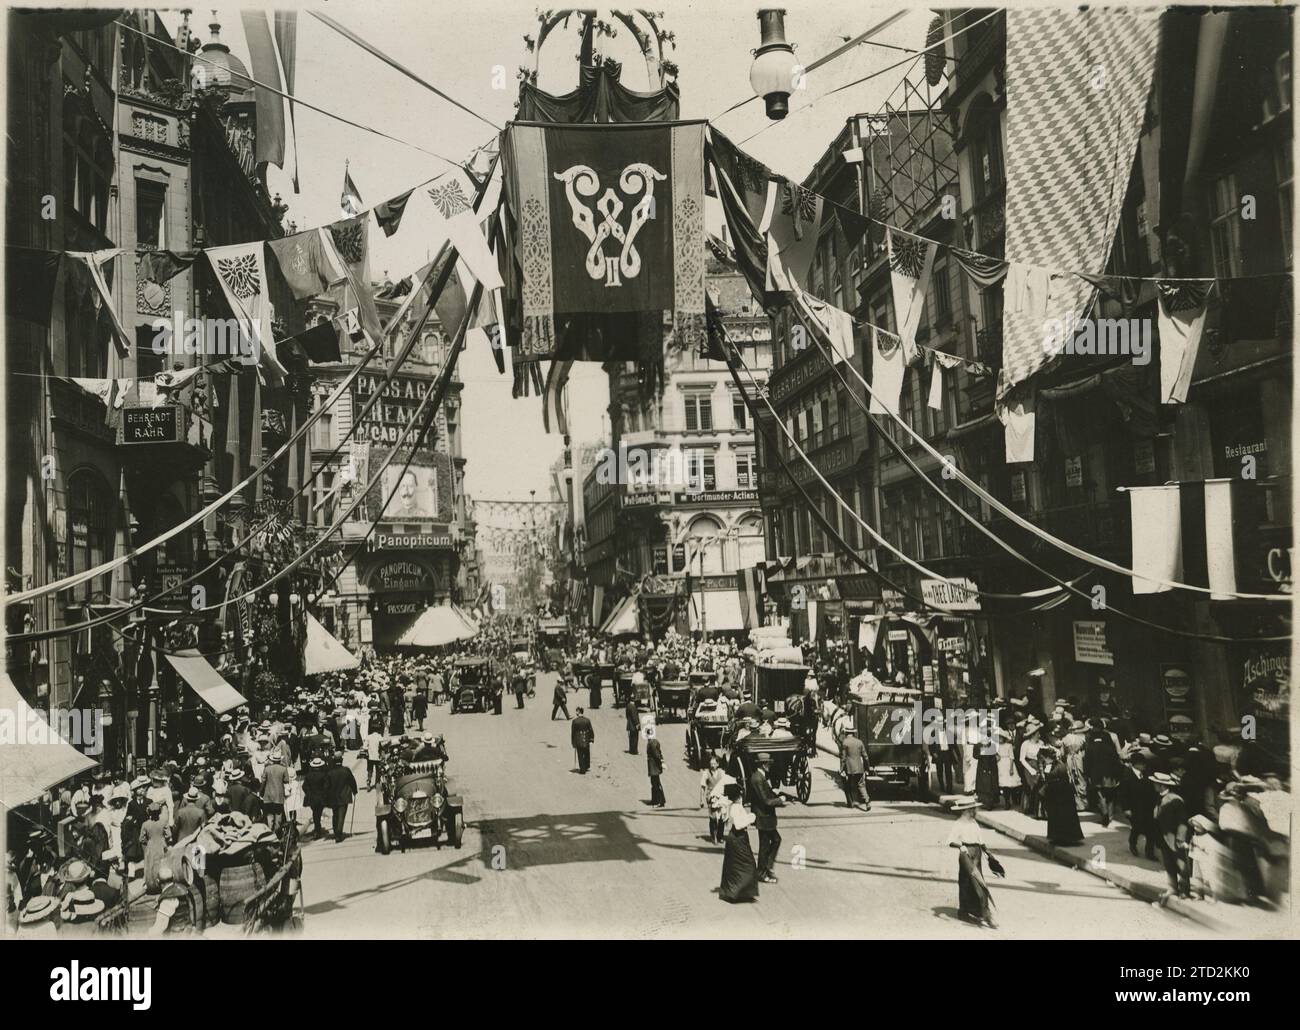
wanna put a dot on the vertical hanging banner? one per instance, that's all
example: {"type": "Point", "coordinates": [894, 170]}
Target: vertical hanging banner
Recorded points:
{"type": "Point", "coordinates": [1077, 85]}
{"type": "Point", "coordinates": [351, 239]}
{"type": "Point", "coordinates": [241, 270]}
{"type": "Point", "coordinates": [911, 260]}
{"type": "Point", "coordinates": [611, 238]}
{"type": "Point", "coordinates": [270, 105]}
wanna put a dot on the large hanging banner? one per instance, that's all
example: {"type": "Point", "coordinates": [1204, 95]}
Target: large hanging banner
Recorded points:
{"type": "Point", "coordinates": [1077, 85]}
{"type": "Point", "coordinates": [610, 246]}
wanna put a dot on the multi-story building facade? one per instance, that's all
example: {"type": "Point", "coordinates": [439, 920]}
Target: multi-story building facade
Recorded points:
{"type": "Point", "coordinates": [676, 495]}
{"type": "Point", "coordinates": [114, 143]}
{"type": "Point", "coordinates": [421, 549]}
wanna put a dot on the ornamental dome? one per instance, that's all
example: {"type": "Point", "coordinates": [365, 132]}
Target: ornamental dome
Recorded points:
{"type": "Point", "coordinates": [219, 67]}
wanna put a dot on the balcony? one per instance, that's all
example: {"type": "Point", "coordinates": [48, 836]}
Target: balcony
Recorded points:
{"type": "Point", "coordinates": [984, 225]}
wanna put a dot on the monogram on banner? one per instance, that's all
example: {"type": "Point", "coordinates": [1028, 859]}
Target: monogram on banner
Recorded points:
{"type": "Point", "coordinates": [637, 179]}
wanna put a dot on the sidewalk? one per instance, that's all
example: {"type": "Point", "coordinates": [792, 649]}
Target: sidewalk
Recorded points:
{"type": "Point", "coordinates": [1105, 854]}
{"type": "Point", "coordinates": [1115, 864]}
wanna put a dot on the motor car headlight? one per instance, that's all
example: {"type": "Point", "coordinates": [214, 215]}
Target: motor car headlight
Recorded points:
{"type": "Point", "coordinates": [400, 804]}
{"type": "Point", "coordinates": [438, 801]}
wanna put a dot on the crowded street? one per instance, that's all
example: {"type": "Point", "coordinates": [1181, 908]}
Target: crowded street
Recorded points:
{"type": "Point", "coordinates": [549, 853]}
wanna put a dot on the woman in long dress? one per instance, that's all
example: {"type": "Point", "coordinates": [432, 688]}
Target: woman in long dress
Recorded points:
{"type": "Point", "coordinates": [1008, 771]}
{"type": "Point", "coordinates": [974, 902]}
{"type": "Point", "coordinates": [153, 839]}
{"type": "Point", "coordinates": [739, 870]}
{"type": "Point", "coordinates": [1058, 801]}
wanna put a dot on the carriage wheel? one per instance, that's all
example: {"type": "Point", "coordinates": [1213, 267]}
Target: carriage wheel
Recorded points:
{"type": "Point", "coordinates": [803, 786]}
{"type": "Point", "coordinates": [694, 752]}
{"type": "Point", "coordinates": [383, 837]}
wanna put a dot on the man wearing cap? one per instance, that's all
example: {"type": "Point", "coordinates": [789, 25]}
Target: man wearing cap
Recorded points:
{"type": "Point", "coordinates": [559, 699]}
{"type": "Point", "coordinates": [632, 714]}
{"type": "Point", "coordinates": [582, 734]}
{"type": "Point", "coordinates": [764, 801]}
{"type": "Point", "coordinates": [853, 769]}
{"type": "Point", "coordinates": [654, 759]}
{"type": "Point", "coordinates": [1173, 833]}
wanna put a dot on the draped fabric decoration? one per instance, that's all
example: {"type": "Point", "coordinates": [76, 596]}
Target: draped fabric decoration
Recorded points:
{"type": "Point", "coordinates": [241, 270]}
{"type": "Point", "coordinates": [162, 265]}
{"type": "Point", "coordinates": [731, 168]}
{"type": "Point", "coordinates": [351, 240]}
{"type": "Point", "coordinates": [887, 368]}
{"type": "Point", "coordinates": [557, 377]}
{"type": "Point", "coordinates": [837, 324]}
{"type": "Point", "coordinates": [454, 218]}
{"type": "Point", "coordinates": [286, 39]}
{"type": "Point", "coordinates": [307, 262]}
{"type": "Point", "coordinates": [911, 260]}
{"type": "Point", "coordinates": [793, 230]}
{"type": "Point", "coordinates": [93, 263]}
{"type": "Point", "coordinates": [112, 392]}
{"type": "Point", "coordinates": [600, 97]}
{"type": "Point", "coordinates": [1157, 545]}
{"type": "Point", "coordinates": [389, 213]}
{"type": "Point", "coordinates": [940, 363]}
{"type": "Point", "coordinates": [1182, 307]}
{"type": "Point", "coordinates": [983, 271]}
{"type": "Point", "coordinates": [1020, 422]}
{"type": "Point", "coordinates": [270, 105]}
{"type": "Point", "coordinates": [1127, 291]}
{"type": "Point", "coordinates": [749, 584]}
{"type": "Point", "coordinates": [628, 202]}
{"type": "Point", "coordinates": [1077, 85]}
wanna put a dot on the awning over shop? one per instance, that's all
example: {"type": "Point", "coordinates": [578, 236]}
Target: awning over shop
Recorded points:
{"type": "Point", "coordinates": [470, 622]}
{"type": "Point", "coordinates": [33, 756]}
{"type": "Point", "coordinates": [623, 619]}
{"type": "Point", "coordinates": [435, 627]}
{"type": "Point", "coordinates": [323, 652]}
{"type": "Point", "coordinates": [716, 611]}
{"type": "Point", "coordinates": [209, 684]}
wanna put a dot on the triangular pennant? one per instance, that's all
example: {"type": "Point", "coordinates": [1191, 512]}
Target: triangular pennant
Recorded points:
{"type": "Point", "coordinates": [241, 270]}
{"type": "Point", "coordinates": [983, 271]}
{"type": "Point", "coordinates": [307, 263]}
{"type": "Point", "coordinates": [389, 213]}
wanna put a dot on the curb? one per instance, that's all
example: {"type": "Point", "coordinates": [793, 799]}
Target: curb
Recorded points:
{"type": "Point", "coordinates": [1141, 891]}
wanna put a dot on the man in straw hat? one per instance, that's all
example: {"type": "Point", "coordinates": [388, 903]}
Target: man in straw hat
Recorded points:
{"type": "Point", "coordinates": [765, 801]}
{"type": "Point", "coordinates": [1173, 834]}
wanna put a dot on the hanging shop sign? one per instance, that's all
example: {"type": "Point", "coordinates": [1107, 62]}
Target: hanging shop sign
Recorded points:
{"type": "Point", "coordinates": [633, 499]}
{"type": "Point", "coordinates": [401, 576]}
{"type": "Point", "coordinates": [399, 605]}
{"type": "Point", "coordinates": [661, 561]}
{"type": "Point", "coordinates": [1018, 487]}
{"type": "Point", "coordinates": [952, 644]}
{"type": "Point", "coordinates": [1176, 687]}
{"type": "Point", "coordinates": [170, 576]}
{"type": "Point", "coordinates": [1144, 456]}
{"type": "Point", "coordinates": [1265, 691]}
{"type": "Point", "coordinates": [151, 425]}
{"type": "Point", "coordinates": [397, 406]}
{"type": "Point", "coordinates": [438, 538]}
{"type": "Point", "coordinates": [716, 497]}
{"type": "Point", "coordinates": [958, 593]}
{"type": "Point", "coordinates": [1090, 646]}
{"type": "Point", "coordinates": [1074, 471]}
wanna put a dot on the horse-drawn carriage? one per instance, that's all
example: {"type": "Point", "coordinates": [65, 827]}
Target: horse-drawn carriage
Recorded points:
{"type": "Point", "coordinates": [880, 712]}
{"type": "Point", "coordinates": [675, 700]}
{"type": "Point", "coordinates": [415, 801]}
{"type": "Point", "coordinates": [706, 728]}
{"type": "Point", "coordinates": [552, 639]}
{"type": "Point", "coordinates": [790, 766]}
{"type": "Point", "coordinates": [475, 688]}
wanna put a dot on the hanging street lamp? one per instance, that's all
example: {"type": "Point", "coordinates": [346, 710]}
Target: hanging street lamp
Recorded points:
{"type": "Point", "coordinates": [774, 72]}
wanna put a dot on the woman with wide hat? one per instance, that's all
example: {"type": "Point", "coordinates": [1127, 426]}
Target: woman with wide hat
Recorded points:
{"type": "Point", "coordinates": [974, 902]}
{"type": "Point", "coordinates": [739, 869]}
{"type": "Point", "coordinates": [1059, 800]}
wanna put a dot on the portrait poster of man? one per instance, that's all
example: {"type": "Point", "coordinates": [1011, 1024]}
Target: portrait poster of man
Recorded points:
{"type": "Point", "coordinates": [416, 495]}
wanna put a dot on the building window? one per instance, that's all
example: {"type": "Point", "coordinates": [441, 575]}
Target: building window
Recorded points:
{"type": "Point", "coordinates": [324, 505]}
{"type": "Point", "coordinates": [942, 300]}
{"type": "Point", "coordinates": [1225, 226]}
{"type": "Point", "coordinates": [90, 529]}
{"type": "Point", "coordinates": [699, 412]}
{"type": "Point", "coordinates": [322, 432]}
{"type": "Point", "coordinates": [147, 361]}
{"type": "Point", "coordinates": [700, 471]}
{"type": "Point", "coordinates": [739, 414]}
{"type": "Point", "coordinates": [745, 476]}
{"type": "Point", "coordinates": [150, 215]}
{"type": "Point", "coordinates": [986, 160]}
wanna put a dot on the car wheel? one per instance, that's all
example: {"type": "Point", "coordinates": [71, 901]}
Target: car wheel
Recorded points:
{"type": "Point", "coordinates": [457, 830]}
{"type": "Point", "coordinates": [383, 837]}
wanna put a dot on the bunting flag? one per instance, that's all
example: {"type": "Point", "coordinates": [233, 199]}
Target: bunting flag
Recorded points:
{"type": "Point", "coordinates": [321, 342]}
{"type": "Point", "coordinates": [940, 363]}
{"type": "Point", "coordinates": [454, 218]}
{"type": "Point", "coordinates": [241, 270]}
{"type": "Point", "coordinates": [93, 263]}
{"type": "Point", "coordinates": [856, 227]}
{"type": "Point", "coordinates": [553, 399]}
{"type": "Point", "coordinates": [307, 262]}
{"type": "Point", "coordinates": [1018, 417]}
{"type": "Point", "coordinates": [794, 229]}
{"type": "Point", "coordinates": [270, 105]}
{"type": "Point", "coordinates": [837, 325]}
{"type": "Point", "coordinates": [887, 368]}
{"type": "Point", "coordinates": [1077, 85]}
{"type": "Point", "coordinates": [162, 265]}
{"type": "Point", "coordinates": [628, 202]}
{"type": "Point", "coordinates": [749, 586]}
{"type": "Point", "coordinates": [1182, 308]}
{"type": "Point", "coordinates": [112, 392]}
{"type": "Point", "coordinates": [389, 213]}
{"type": "Point", "coordinates": [350, 201]}
{"type": "Point", "coordinates": [177, 387]}
{"type": "Point", "coordinates": [351, 240]}
{"type": "Point", "coordinates": [286, 39]}
{"type": "Point", "coordinates": [982, 270]}
{"type": "Point", "coordinates": [1157, 550]}
{"type": "Point", "coordinates": [30, 278]}
{"type": "Point", "coordinates": [911, 260]}
{"type": "Point", "coordinates": [748, 177]}
{"type": "Point", "coordinates": [1124, 290]}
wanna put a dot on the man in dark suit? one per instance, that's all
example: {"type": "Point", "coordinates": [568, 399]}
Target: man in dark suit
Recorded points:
{"type": "Point", "coordinates": [342, 789]}
{"type": "Point", "coordinates": [559, 699]}
{"type": "Point", "coordinates": [241, 798]}
{"type": "Point", "coordinates": [633, 726]}
{"type": "Point", "coordinates": [765, 801]}
{"type": "Point", "coordinates": [582, 734]}
{"type": "Point", "coordinates": [654, 760]}
{"type": "Point", "coordinates": [853, 768]}
{"type": "Point", "coordinates": [1173, 833]}
{"type": "Point", "coordinates": [316, 791]}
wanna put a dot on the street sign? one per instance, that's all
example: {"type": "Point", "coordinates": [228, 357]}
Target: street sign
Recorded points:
{"type": "Point", "coordinates": [151, 425]}
{"type": "Point", "coordinates": [958, 593]}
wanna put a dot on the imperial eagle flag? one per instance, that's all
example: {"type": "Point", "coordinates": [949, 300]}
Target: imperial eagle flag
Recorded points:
{"type": "Point", "coordinates": [609, 250]}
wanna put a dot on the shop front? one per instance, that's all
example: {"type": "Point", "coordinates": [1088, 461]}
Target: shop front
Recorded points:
{"type": "Point", "coordinates": [400, 584]}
